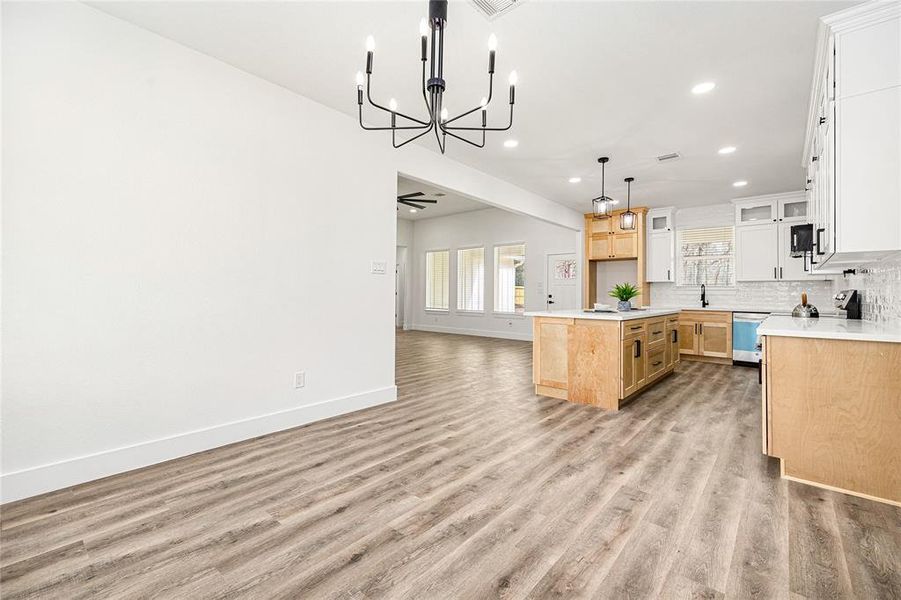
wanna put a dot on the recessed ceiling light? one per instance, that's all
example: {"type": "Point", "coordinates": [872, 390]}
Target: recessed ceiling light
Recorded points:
{"type": "Point", "coordinates": [741, 183]}
{"type": "Point", "coordinates": [511, 144]}
{"type": "Point", "coordinates": [413, 210]}
{"type": "Point", "coordinates": [703, 88]}
{"type": "Point", "coordinates": [575, 179]}
{"type": "Point", "coordinates": [726, 150]}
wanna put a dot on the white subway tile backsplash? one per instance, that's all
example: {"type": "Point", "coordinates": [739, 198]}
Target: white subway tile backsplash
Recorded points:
{"type": "Point", "coordinates": [763, 295]}
{"type": "Point", "coordinates": [880, 290]}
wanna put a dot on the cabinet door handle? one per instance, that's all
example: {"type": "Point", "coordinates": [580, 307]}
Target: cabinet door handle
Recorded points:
{"type": "Point", "coordinates": [780, 272]}
{"type": "Point", "coordinates": [656, 332]}
{"type": "Point", "coordinates": [819, 252]}
{"type": "Point", "coordinates": [774, 273]}
{"type": "Point", "coordinates": [667, 275]}
{"type": "Point", "coordinates": [805, 261]}
{"type": "Point", "coordinates": [700, 328]}
{"type": "Point", "coordinates": [634, 327]}
{"type": "Point", "coordinates": [656, 363]}
{"type": "Point", "coordinates": [637, 349]}
{"type": "Point", "coordinates": [675, 335]}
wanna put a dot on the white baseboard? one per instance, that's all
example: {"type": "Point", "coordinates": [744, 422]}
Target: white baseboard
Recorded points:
{"type": "Point", "coordinates": [504, 335]}
{"type": "Point", "coordinates": [66, 473]}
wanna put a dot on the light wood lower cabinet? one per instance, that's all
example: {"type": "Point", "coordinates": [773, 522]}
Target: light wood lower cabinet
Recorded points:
{"type": "Point", "coordinates": [599, 362]}
{"type": "Point", "coordinates": [634, 361]}
{"type": "Point", "coordinates": [832, 413]}
{"type": "Point", "coordinates": [672, 341]}
{"type": "Point", "coordinates": [706, 334]}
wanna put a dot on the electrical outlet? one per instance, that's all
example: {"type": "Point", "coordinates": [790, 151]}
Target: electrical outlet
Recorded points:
{"type": "Point", "coordinates": [300, 380]}
{"type": "Point", "coordinates": [378, 267]}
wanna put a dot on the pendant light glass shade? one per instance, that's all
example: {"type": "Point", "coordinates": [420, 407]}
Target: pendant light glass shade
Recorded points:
{"type": "Point", "coordinates": [600, 206]}
{"type": "Point", "coordinates": [627, 219]}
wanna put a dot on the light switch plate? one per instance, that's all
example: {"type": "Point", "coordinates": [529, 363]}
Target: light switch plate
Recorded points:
{"type": "Point", "coordinates": [300, 379]}
{"type": "Point", "coordinates": [378, 267]}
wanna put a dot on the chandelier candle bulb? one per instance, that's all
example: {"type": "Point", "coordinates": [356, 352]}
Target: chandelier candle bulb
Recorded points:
{"type": "Point", "coordinates": [423, 28]}
{"type": "Point", "coordinates": [370, 43]}
{"type": "Point", "coordinates": [484, 102]}
{"type": "Point", "coordinates": [392, 104]}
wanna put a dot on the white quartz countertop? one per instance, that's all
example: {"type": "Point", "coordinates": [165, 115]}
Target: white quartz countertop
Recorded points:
{"type": "Point", "coordinates": [606, 316]}
{"type": "Point", "coordinates": [830, 328]}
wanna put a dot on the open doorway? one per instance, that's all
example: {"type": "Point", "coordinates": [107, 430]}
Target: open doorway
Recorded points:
{"type": "Point", "coordinates": [467, 267]}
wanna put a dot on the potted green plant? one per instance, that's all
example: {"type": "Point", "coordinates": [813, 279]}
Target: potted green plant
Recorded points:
{"type": "Point", "coordinates": [624, 292]}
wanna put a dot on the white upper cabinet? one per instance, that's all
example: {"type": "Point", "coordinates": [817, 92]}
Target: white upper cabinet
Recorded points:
{"type": "Point", "coordinates": [792, 210]}
{"type": "Point", "coordinates": [790, 268]}
{"type": "Point", "coordinates": [757, 252]}
{"type": "Point", "coordinates": [755, 211]}
{"type": "Point", "coordinates": [661, 245]}
{"type": "Point", "coordinates": [763, 237]}
{"type": "Point", "coordinates": [853, 146]}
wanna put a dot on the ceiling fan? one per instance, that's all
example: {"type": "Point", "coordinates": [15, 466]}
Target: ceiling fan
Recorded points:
{"type": "Point", "coordinates": [406, 199]}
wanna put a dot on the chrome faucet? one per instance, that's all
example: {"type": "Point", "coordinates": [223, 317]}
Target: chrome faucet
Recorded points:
{"type": "Point", "coordinates": [704, 302]}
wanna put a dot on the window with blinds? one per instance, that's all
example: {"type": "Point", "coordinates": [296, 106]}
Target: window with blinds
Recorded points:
{"type": "Point", "coordinates": [471, 279]}
{"type": "Point", "coordinates": [706, 256]}
{"type": "Point", "coordinates": [509, 278]}
{"type": "Point", "coordinates": [436, 279]}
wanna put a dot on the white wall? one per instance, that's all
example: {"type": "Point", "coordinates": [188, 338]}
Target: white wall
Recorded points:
{"type": "Point", "coordinates": [486, 228]}
{"type": "Point", "coordinates": [170, 256]}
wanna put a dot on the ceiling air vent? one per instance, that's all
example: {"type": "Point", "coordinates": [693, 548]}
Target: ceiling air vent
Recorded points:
{"type": "Point", "coordinates": [670, 156]}
{"type": "Point", "coordinates": [492, 9]}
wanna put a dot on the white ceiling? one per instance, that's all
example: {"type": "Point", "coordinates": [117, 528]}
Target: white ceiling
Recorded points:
{"type": "Point", "coordinates": [448, 204]}
{"type": "Point", "coordinates": [596, 78]}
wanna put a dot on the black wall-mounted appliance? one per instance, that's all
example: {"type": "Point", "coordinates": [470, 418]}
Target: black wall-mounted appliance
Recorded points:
{"type": "Point", "coordinates": [801, 240]}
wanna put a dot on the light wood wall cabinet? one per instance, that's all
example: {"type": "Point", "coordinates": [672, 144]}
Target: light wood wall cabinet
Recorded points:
{"type": "Point", "coordinates": [600, 362]}
{"type": "Point", "coordinates": [853, 142]}
{"type": "Point", "coordinates": [831, 411]}
{"type": "Point", "coordinates": [705, 335]}
{"type": "Point", "coordinates": [606, 241]}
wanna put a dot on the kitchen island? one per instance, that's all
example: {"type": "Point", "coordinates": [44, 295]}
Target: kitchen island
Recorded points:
{"type": "Point", "coordinates": [831, 403]}
{"type": "Point", "coordinates": [602, 358]}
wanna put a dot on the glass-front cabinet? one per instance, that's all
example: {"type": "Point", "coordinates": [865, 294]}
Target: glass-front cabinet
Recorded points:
{"type": "Point", "coordinates": [755, 211]}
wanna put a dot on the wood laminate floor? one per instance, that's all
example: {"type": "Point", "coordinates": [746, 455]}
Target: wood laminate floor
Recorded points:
{"type": "Point", "coordinates": [469, 487]}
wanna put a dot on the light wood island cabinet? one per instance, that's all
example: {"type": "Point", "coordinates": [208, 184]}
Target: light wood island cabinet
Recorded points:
{"type": "Point", "coordinates": [602, 359]}
{"type": "Point", "coordinates": [831, 411]}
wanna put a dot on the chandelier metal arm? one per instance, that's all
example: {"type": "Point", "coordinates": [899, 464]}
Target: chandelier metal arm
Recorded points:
{"type": "Point", "coordinates": [480, 106]}
{"type": "Point", "coordinates": [388, 110]}
{"type": "Point", "coordinates": [442, 142]}
{"type": "Point", "coordinates": [390, 128]}
{"type": "Point", "coordinates": [415, 137]}
{"type": "Point", "coordinates": [463, 139]}
{"type": "Point", "coordinates": [505, 128]}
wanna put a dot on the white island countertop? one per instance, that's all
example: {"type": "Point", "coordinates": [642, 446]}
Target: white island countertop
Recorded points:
{"type": "Point", "coordinates": [830, 328]}
{"type": "Point", "coordinates": [606, 316]}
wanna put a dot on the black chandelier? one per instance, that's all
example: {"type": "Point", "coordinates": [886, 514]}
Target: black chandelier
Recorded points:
{"type": "Point", "coordinates": [433, 89]}
{"type": "Point", "coordinates": [600, 206]}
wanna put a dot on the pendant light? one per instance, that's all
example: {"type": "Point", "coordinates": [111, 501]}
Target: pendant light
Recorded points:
{"type": "Point", "coordinates": [600, 206]}
{"type": "Point", "coordinates": [627, 219]}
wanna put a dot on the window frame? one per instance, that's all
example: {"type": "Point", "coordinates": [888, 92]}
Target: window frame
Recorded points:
{"type": "Point", "coordinates": [494, 279]}
{"type": "Point", "coordinates": [466, 311]}
{"type": "Point", "coordinates": [426, 307]}
{"type": "Point", "coordinates": [679, 258]}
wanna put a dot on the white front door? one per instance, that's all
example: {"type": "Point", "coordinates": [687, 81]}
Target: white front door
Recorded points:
{"type": "Point", "coordinates": [562, 282]}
